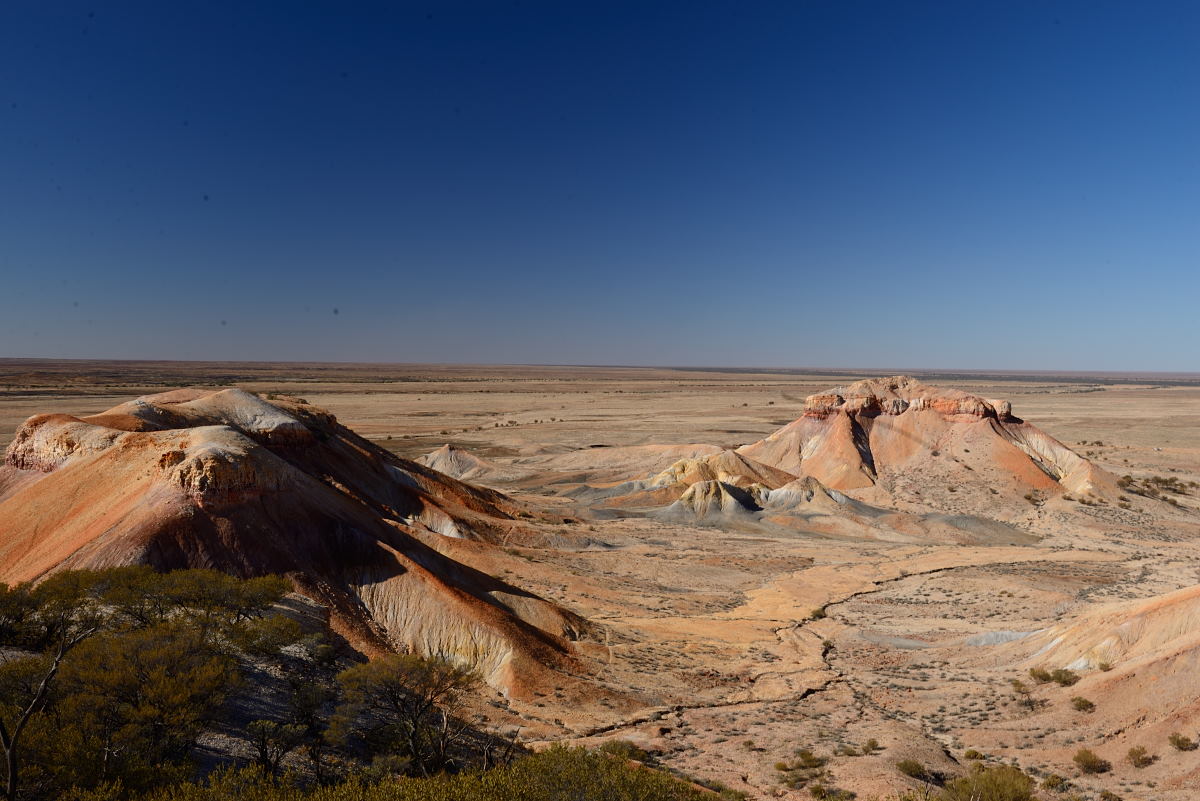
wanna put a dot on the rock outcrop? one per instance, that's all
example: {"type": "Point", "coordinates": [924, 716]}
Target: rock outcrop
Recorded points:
{"type": "Point", "coordinates": [726, 466]}
{"type": "Point", "coordinates": [849, 436]}
{"type": "Point", "coordinates": [228, 480]}
{"type": "Point", "coordinates": [809, 495]}
{"type": "Point", "coordinates": [707, 499]}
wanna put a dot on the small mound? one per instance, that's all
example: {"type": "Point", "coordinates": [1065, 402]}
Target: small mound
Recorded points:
{"type": "Point", "coordinates": [807, 494]}
{"type": "Point", "coordinates": [458, 463]}
{"type": "Point", "coordinates": [727, 466]}
{"type": "Point", "coordinates": [724, 466]}
{"type": "Point", "coordinates": [706, 499]}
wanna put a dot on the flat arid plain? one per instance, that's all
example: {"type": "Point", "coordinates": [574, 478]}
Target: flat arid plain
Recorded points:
{"type": "Point", "coordinates": [725, 568]}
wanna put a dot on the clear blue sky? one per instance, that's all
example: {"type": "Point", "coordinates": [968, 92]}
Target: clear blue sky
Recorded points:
{"type": "Point", "coordinates": [956, 184]}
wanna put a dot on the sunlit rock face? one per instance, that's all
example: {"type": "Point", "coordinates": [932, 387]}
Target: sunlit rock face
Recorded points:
{"type": "Point", "coordinates": [848, 437]}
{"type": "Point", "coordinates": [227, 480]}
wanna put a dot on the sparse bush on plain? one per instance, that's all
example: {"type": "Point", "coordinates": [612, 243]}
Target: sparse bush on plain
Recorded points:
{"type": "Point", "coordinates": [1089, 761]}
{"type": "Point", "coordinates": [824, 792]}
{"type": "Point", "coordinates": [1081, 704]}
{"type": "Point", "coordinates": [1024, 694]}
{"type": "Point", "coordinates": [806, 768]}
{"type": "Point", "coordinates": [1139, 757]}
{"type": "Point", "coordinates": [1054, 782]}
{"type": "Point", "coordinates": [914, 769]}
{"type": "Point", "coordinates": [1064, 677]}
{"type": "Point", "coordinates": [1181, 742]}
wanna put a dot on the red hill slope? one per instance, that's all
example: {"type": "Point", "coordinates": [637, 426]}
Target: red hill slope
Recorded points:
{"type": "Point", "coordinates": [226, 480]}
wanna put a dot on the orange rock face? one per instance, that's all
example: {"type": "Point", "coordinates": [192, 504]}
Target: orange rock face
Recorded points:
{"type": "Point", "coordinates": [851, 436]}
{"type": "Point", "coordinates": [899, 394]}
{"type": "Point", "coordinates": [227, 480]}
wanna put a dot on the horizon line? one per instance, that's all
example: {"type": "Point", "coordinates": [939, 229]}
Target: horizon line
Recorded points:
{"type": "Point", "coordinates": [800, 370]}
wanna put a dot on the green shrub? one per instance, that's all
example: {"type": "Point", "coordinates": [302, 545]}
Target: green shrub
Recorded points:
{"type": "Point", "coordinates": [1089, 762]}
{"type": "Point", "coordinates": [1054, 782]}
{"type": "Point", "coordinates": [1081, 704]}
{"type": "Point", "coordinates": [1139, 757]}
{"type": "Point", "coordinates": [913, 769]}
{"type": "Point", "coordinates": [996, 783]}
{"type": "Point", "coordinates": [807, 767]}
{"type": "Point", "coordinates": [624, 749]}
{"type": "Point", "coordinates": [1040, 675]}
{"type": "Point", "coordinates": [404, 704]}
{"type": "Point", "coordinates": [1181, 742]}
{"type": "Point", "coordinates": [1064, 677]}
{"type": "Point", "coordinates": [556, 774]}
{"type": "Point", "coordinates": [117, 673]}
{"type": "Point", "coordinates": [1024, 694]}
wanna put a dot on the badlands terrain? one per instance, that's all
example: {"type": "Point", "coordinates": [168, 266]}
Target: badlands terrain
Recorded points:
{"type": "Point", "coordinates": [724, 568]}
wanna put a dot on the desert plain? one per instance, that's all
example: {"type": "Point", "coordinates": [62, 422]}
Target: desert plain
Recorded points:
{"type": "Point", "coordinates": [724, 639]}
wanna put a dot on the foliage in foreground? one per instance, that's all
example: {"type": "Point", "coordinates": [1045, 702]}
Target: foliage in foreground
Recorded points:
{"type": "Point", "coordinates": [112, 675]}
{"type": "Point", "coordinates": [557, 774]}
{"type": "Point", "coordinates": [998, 783]}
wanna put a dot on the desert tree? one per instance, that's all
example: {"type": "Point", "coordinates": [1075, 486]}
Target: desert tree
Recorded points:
{"type": "Point", "coordinates": [273, 741]}
{"type": "Point", "coordinates": [110, 676]}
{"type": "Point", "coordinates": [405, 704]}
{"type": "Point", "coordinates": [42, 624]}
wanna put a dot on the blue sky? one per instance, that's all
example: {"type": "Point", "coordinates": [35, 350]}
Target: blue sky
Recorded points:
{"type": "Point", "coordinates": [998, 185]}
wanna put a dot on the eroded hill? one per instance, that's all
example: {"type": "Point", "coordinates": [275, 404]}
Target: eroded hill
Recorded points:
{"type": "Point", "coordinates": [228, 480]}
